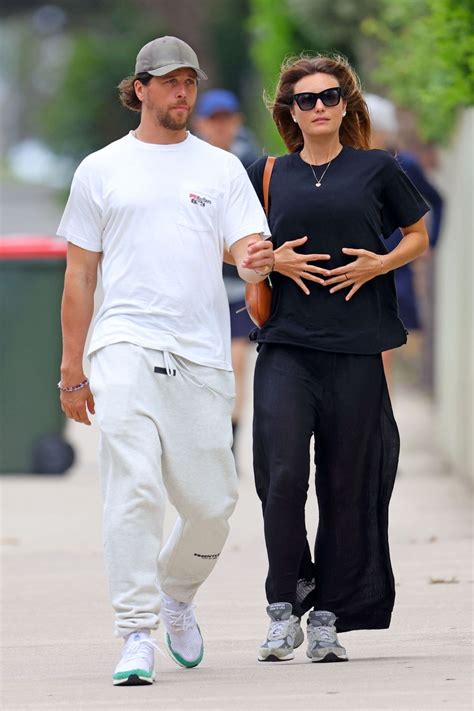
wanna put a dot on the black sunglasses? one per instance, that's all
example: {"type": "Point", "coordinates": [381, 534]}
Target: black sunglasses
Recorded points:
{"type": "Point", "coordinates": [306, 100]}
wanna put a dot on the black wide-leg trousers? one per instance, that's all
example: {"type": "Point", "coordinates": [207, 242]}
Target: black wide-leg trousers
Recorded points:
{"type": "Point", "coordinates": [343, 400]}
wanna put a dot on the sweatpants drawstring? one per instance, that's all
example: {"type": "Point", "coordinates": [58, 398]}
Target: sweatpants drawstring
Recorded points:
{"type": "Point", "coordinates": [168, 361]}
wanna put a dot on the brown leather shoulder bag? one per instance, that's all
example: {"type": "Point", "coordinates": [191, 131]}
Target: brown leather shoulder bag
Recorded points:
{"type": "Point", "coordinates": [258, 297]}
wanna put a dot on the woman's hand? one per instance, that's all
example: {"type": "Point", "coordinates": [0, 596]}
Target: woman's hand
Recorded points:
{"type": "Point", "coordinates": [367, 266]}
{"type": "Point", "coordinates": [297, 266]}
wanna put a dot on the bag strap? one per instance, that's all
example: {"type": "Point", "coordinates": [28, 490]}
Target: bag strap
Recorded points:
{"type": "Point", "coordinates": [267, 174]}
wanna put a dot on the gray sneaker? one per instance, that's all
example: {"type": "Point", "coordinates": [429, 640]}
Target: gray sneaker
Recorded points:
{"type": "Point", "coordinates": [284, 634]}
{"type": "Point", "coordinates": [323, 645]}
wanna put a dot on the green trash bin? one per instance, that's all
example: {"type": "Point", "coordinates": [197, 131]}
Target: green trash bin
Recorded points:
{"type": "Point", "coordinates": [31, 420]}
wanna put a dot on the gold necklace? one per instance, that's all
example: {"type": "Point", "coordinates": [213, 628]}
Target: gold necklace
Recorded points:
{"type": "Point", "coordinates": [319, 180]}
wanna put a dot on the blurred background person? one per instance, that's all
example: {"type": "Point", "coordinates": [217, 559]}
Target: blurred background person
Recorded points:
{"type": "Point", "coordinates": [385, 135]}
{"type": "Point", "coordinates": [218, 120]}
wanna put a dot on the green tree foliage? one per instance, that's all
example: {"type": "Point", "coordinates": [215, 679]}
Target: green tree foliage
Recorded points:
{"type": "Point", "coordinates": [291, 27]}
{"type": "Point", "coordinates": [230, 47]}
{"type": "Point", "coordinates": [273, 32]}
{"type": "Point", "coordinates": [86, 113]}
{"type": "Point", "coordinates": [426, 59]}
{"type": "Point", "coordinates": [334, 26]}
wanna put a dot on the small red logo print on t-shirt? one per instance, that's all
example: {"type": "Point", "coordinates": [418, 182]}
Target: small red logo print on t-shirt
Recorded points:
{"type": "Point", "coordinates": [199, 200]}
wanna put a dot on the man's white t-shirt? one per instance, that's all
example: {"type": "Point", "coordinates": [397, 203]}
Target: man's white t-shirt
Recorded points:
{"type": "Point", "coordinates": [161, 215]}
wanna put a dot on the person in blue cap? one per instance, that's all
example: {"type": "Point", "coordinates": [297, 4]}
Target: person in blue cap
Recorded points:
{"type": "Point", "coordinates": [219, 121]}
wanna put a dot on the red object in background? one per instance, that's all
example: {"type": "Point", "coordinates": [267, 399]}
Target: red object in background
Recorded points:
{"type": "Point", "coordinates": [32, 247]}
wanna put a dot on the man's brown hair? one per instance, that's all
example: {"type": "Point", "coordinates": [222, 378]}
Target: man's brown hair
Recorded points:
{"type": "Point", "coordinates": [127, 93]}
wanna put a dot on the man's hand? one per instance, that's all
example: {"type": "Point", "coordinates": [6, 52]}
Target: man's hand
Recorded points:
{"type": "Point", "coordinates": [76, 314]}
{"type": "Point", "coordinates": [259, 257]}
{"type": "Point", "coordinates": [253, 257]}
{"type": "Point", "coordinates": [76, 405]}
{"type": "Point", "coordinates": [297, 266]}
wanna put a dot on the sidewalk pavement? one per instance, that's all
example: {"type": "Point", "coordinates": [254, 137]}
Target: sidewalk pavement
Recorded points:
{"type": "Point", "coordinates": [57, 643]}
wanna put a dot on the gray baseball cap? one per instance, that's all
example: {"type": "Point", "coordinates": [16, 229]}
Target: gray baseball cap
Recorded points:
{"type": "Point", "coordinates": [164, 55]}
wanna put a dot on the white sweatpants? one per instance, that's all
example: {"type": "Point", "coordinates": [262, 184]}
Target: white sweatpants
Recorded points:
{"type": "Point", "coordinates": [165, 428]}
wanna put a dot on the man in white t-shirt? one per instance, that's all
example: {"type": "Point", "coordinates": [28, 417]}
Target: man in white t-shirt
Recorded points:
{"type": "Point", "coordinates": [157, 211]}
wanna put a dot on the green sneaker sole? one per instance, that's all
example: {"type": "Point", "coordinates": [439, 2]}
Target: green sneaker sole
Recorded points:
{"type": "Point", "coordinates": [133, 677]}
{"type": "Point", "coordinates": [176, 657]}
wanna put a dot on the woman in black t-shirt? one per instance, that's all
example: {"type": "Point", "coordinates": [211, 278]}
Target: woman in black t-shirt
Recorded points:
{"type": "Point", "coordinates": [319, 369]}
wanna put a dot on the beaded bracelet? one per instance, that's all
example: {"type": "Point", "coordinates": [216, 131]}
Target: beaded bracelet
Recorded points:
{"type": "Point", "coordinates": [73, 388]}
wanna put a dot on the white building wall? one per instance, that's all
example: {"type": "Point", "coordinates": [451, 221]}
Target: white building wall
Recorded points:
{"type": "Point", "coordinates": [454, 309]}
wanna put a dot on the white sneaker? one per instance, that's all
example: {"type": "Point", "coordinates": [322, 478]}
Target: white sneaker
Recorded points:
{"type": "Point", "coordinates": [183, 637]}
{"type": "Point", "coordinates": [137, 663]}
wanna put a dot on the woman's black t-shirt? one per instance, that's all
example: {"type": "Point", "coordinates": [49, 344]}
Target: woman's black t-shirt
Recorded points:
{"type": "Point", "coordinates": [364, 194]}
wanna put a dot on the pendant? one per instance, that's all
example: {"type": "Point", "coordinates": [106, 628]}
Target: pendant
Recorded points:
{"type": "Point", "coordinates": [318, 185]}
